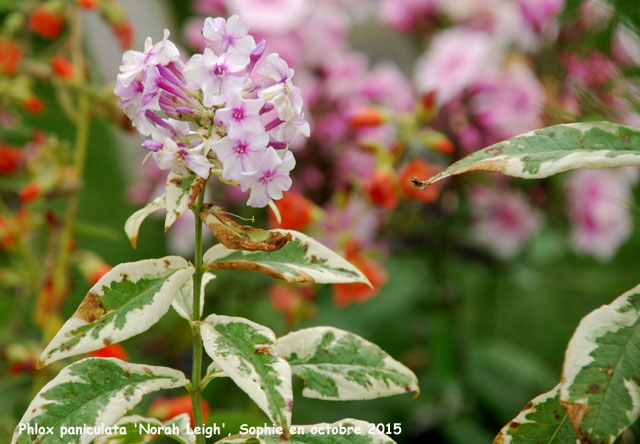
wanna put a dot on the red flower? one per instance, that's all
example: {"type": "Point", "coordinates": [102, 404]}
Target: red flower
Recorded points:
{"type": "Point", "coordinates": [381, 189]}
{"type": "Point", "coordinates": [167, 408]}
{"type": "Point", "coordinates": [88, 4]}
{"type": "Point", "coordinates": [124, 34]}
{"type": "Point", "coordinates": [111, 351]}
{"type": "Point", "coordinates": [98, 273]}
{"type": "Point", "coordinates": [368, 117]}
{"type": "Point", "coordinates": [62, 67]}
{"type": "Point", "coordinates": [10, 56]}
{"type": "Point", "coordinates": [46, 22]}
{"type": "Point", "coordinates": [33, 104]}
{"type": "Point", "coordinates": [29, 192]}
{"type": "Point", "coordinates": [423, 170]}
{"type": "Point", "coordinates": [9, 159]}
{"type": "Point", "coordinates": [345, 294]}
{"type": "Point", "coordinates": [296, 212]}
{"type": "Point", "coordinates": [293, 302]}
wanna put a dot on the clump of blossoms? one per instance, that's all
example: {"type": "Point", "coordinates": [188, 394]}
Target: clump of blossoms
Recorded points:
{"type": "Point", "coordinates": [229, 111]}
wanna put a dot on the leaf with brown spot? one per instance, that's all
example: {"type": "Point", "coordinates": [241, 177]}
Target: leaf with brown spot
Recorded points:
{"type": "Point", "coordinates": [241, 237]}
{"type": "Point", "coordinates": [548, 151]}
{"type": "Point", "coordinates": [540, 423]}
{"type": "Point", "coordinates": [182, 193]}
{"type": "Point", "coordinates": [302, 259]}
{"type": "Point", "coordinates": [116, 309]}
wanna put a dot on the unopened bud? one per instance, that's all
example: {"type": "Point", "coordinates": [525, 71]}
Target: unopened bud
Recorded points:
{"type": "Point", "coordinates": [368, 117]}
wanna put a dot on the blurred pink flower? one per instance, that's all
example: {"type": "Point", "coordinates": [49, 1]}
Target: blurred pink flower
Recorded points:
{"type": "Point", "coordinates": [625, 47]}
{"type": "Point", "coordinates": [404, 15]}
{"type": "Point", "coordinates": [456, 58]}
{"type": "Point", "coordinates": [509, 102]}
{"type": "Point", "coordinates": [209, 7]}
{"type": "Point", "coordinates": [503, 220]}
{"type": "Point", "coordinates": [192, 34]}
{"type": "Point", "coordinates": [271, 16]}
{"type": "Point", "coordinates": [540, 14]}
{"type": "Point", "coordinates": [596, 14]}
{"type": "Point", "coordinates": [592, 71]}
{"type": "Point", "coordinates": [388, 86]}
{"type": "Point", "coordinates": [598, 204]}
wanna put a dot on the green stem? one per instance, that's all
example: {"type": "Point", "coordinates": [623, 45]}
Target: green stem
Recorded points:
{"type": "Point", "coordinates": [196, 374]}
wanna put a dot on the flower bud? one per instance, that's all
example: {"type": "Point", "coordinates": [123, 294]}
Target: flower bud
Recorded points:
{"type": "Point", "coordinates": [436, 141]}
{"type": "Point", "coordinates": [10, 56]}
{"type": "Point", "coordinates": [345, 294]}
{"type": "Point", "coordinates": [33, 105]}
{"type": "Point", "coordinates": [29, 192]}
{"type": "Point", "coordinates": [124, 34]}
{"type": "Point", "coordinates": [88, 4]}
{"type": "Point", "coordinates": [366, 118]}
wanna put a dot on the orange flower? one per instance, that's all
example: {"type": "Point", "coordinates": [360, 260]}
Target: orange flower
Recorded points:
{"type": "Point", "coordinates": [423, 170]}
{"type": "Point", "coordinates": [33, 104]}
{"type": "Point", "coordinates": [62, 67]}
{"type": "Point", "coordinates": [46, 22]}
{"type": "Point", "coordinates": [88, 4]}
{"type": "Point", "coordinates": [124, 34]}
{"type": "Point", "coordinates": [167, 408]}
{"type": "Point", "coordinates": [10, 56]}
{"type": "Point", "coordinates": [381, 189]}
{"type": "Point", "coordinates": [367, 117]}
{"type": "Point", "coordinates": [111, 351]}
{"type": "Point", "coordinates": [97, 274]}
{"type": "Point", "coordinates": [9, 159]}
{"type": "Point", "coordinates": [345, 294]}
{"type": "Point", "coordinates": [29, 192]}
{"type": "Point", "coordinates": [296, 212]}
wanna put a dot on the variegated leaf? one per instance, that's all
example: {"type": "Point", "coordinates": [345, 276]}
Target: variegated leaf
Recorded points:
{"type": "Point", "coordinates": [346, 431]}
{"type": "Point", "coordinates": [542, 421]}
{"type": "Point", "coordinates": [338, 365]}
{"type": "Point", "coordinates": [548, 151]}
{"type": "Point", "coordinates": [182, 193]}
{"type": "Point", "coordinates": [141, 430]}
{"type": "Point", "coordinates": [132, 225]}
{"type": "Point", "coordinates": [601, 371]}
{"type": "Point", "coordinates": [93, 392]}
{"type": "Point", "coordinates": [243, 350]}
{"type": "Point", "coordinates": [302, 259]}
{"type": "Point", "coordinates": [183, 303]}
{"type": "Point", "coordinates": [126, 301]}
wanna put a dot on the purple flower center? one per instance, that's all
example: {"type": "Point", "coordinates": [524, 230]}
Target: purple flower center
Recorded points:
{"type": "Point", "coordinates": [219, 70]}
{"type": "Point", "coordinates": [237, 114]}
{"type": "Point", "coordinates": [267, 176]}
{"type": "Point", "coordinates": [182, 154]}
{"type": "Point", "coordinates": [241, 148]}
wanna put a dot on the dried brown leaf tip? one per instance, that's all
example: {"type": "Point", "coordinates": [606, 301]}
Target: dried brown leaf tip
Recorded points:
{"type": "Point", "coordinates": [241, 237]}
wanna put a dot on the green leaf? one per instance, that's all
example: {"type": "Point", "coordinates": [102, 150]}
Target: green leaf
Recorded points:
{"type": "Point", "coordinates": [182, 193]}
{"type": "Point", "coordinates": [302, 259]}
{"type": "Point", "coordinates": [548, 151]}
{"type": "Point", "coordinates": [141, 430]}
{"type": "Point", "coordinates": [126, 301]}
{"type": "Point", "coordinates": [338, 365]}
{"type": "Point", "coordinates": [132, 225]}
{"type": "Point", "coordinates": [183, 303]}
{"type": "Point", "coordinates": [93, 392]}
{"type": "Point", "coordinates": [243, 350]}
{"type": "Point", "coordinates": [601, 371]}
{"type": "Point", "coordinates": [346, 431]}
{"type": "Point", "coordinates": [213, 372]}
{"type": "Point", "coordinates": [542, 421]}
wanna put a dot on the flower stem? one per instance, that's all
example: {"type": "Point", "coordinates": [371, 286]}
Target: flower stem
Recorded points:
{"type": "Point", "coordinates": [196, 374]}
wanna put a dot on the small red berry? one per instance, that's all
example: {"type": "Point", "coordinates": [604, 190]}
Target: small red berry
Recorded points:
{"type": "Point", "coordinates": [62, 67]}
{"type": "Point", "coordinates": [46, 22]}
{"type": "Point", "coordinates": [29, 192]}
{"type": "Point", "coordinates": [33, 104]}
{"type": "Point", "coordinates": [9, 159]}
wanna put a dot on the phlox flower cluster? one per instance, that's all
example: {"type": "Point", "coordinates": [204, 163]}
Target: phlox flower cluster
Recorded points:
{"type": "Point", "coordinates": [230, 111]}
